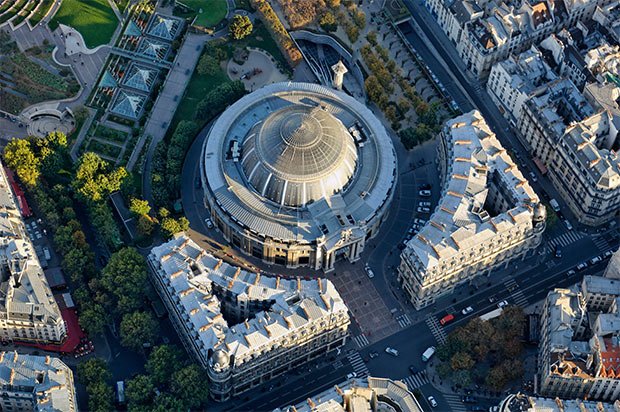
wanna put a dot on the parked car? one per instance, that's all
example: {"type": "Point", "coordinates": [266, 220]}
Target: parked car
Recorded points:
{"type": "Point", "coordinates": [467, 310]}
{"type": "Point", "coordinates": [423, 209]}
{"type": "Point", "coordinates": [582, 266]}
{"type": "Point", "coordinates": [425, 193]}
{"type": "Point", "coordinates": [492, 299]}
{"type": "Point", "coordinates": [608, 254]}
{"type": "Point", "coordinates": [425, 186]}
{"type": "Point", "coordinates": [432, 401]}
{"type": "Point", "coordinates": [502, 304]}
{"type": "Point", "coordinates": [446, 319]}
{"type": "Point", "coordinates": [419, 221]}
{"type": "Point", "coordinates": [595, 260]}
{"type": "Point", "coordinates": [570, 272]}
{"type": "Point", "coordinates": [391, 351]}
{"type": "Point", "coordinates": [428, 204]}
{"type": "Point", "coordinates": [209, 223]}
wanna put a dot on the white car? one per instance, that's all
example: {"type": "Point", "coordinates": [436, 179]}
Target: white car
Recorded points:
{"type": "Point", "coordinates": [502, 304]}
{"type": "Point", "coordinates": [423, 209]}
{"type": "Point", "coordinates": [432, 401]}
{"type": "Point", "coordinates": [533, 176]}
{"type": "Point", "coordinates": [467, 310]}
{"type": "Point", "coordinates": [209, 223]}
{"type": "Point", "coordinates": [419, 221]}
{"type": "Point", "coordinates": [425, 193]}
{"type": "Point", "coordinates": [568, 225]}
{"type": "Point", "coordinates": [391, 351]}
{"type": "Point", "coordinates": [369, 272]}
{"type": "Point", "coordinates": [595, 260]}
{"type": "Point", "coordinates": [582, 266]}
{"type": "Point", "coordinates": [424, 203]}
{"type": "Point", "coordinates": [352, 375]}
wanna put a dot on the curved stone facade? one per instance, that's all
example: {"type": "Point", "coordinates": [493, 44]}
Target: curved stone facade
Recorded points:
{"type": "Point", "coordinates": [298, 174]}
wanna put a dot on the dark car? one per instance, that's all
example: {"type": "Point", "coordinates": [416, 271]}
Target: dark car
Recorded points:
{"type": "Point", "coordinates": [478, 408]}
{"type": "Point", "coordinates": [558, 252]}
{"type": "Point", "coordinates": [411, 369]}
{"type": "Point", "coordinates": [468, 399]}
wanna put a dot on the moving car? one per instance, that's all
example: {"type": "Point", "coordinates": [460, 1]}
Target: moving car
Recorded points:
{"type": "Point", "coordinates": [446, 319]}
{"type": "Point", "coordinates": [412, 369]}
{"type": "Point", "coordinates": [558, 252]}
{"type": "Point", "coordinates": [369, 272]}
{"type": "Point", "coordinates": [373, 354]}
{"type": "Point", "coordinates": [533, 176]}
{"type": "Point", "coordinates": [467, 310]}
{"type": "Point", "coordinates": [425, 193]}
{"type": "Point", "coordinates": [468, 399]}
{"type": "Point", "coordinates": [432, 401]}
{"type": "Point", "coordinates": [209, 223]}
{"type": "Point", "coordinates": [428, 353]}
{"type": "Point", "coordinates": [568, 225]}
{"type": "Point", "coordinates": [391, 351]}
{"type": "Point", "coordinates": [502, 304]}
{"type": "Point", "coordinates": [352, 375]}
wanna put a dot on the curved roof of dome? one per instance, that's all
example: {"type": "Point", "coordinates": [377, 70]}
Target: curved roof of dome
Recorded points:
{"type": "Point", "coordinates": [299, 154]}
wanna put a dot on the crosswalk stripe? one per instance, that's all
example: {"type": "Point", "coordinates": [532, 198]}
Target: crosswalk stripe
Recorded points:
{"type": "Point", "coordinates": [438, 333]}
{"type": "Point", "coordinates": [361, 341]}
{"type": "Point", "coordinates": [417, 380]}
{"type": "Point", "coordinates": [403, 321]}
{"type": "Point", "coordinates": [358, 364]}
{"type": "Point", "coordinates": [455, 402]}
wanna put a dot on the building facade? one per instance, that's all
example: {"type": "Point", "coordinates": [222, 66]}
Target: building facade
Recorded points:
{"type": "Point", "coordinates": [368, 394]}
{"type": "Point", "coordinates": [487, 216]}
{"type": "Point", "coordinates": [35, 383]}
{"type": "Point", "coordinates": [244, 328]}
{"type": "Point", "coordinates": [28, 311]}
{"type": "Point", "coordinates": [520, 402]}
{"type": "Point", "coordinates": [573, 142]}
{"type": "Point", "coordinates": [579, 354]}
{"type": "Point", "coordinates": [298, 174]}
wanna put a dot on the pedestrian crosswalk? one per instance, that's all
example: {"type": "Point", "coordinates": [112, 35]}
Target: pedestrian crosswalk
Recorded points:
{"type": "Point", "coordinates": [359, 367]}
{"type": "Point", "coordinates": [515, 293]}
{"type": "Point", "coordinates": [436, 329]}
{"type": "Point", "coordinates": [361, 340]}
{"type": "Point", "coordinates": [416, 380]}
{"type": "Point", "coordinates": [338, 364]}
{"type": "Point", "coordinates": [602, 244]}
{"type": "Point", "coordinates": [563, 240]}
{"type": "Point", "coordinates": [454, 401]}
{"type": "Point", "coordinates": [403, 320]}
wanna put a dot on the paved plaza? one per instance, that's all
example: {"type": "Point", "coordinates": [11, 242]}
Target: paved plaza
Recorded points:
{"type": "Point", "coordinates": [258, 70]}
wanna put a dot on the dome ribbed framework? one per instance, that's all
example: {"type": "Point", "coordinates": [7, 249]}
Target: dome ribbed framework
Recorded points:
{"type": "Point", "coordinates": [299, 154]}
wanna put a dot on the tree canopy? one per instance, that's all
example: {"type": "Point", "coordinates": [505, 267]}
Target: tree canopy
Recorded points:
{"type": "Point", "coordinates": [138, 329]}
{"type": "Point", "coordinates": [125, 277]}
{"type": "Point", "coordinates": [240, 27]}
{"type": "Point", "coordinates": [93, 179]}
{"type": "Point", "coordinates": [163, 362]}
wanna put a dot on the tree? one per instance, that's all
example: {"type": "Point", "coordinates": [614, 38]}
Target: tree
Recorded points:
{"type": "Point", "coordinates": [100, 397]}
{"type": "Point", "coordinates": [462, 378]}
{"type": "Point", "coordinates": [170, 226]}
{"type": "Point", "coordinates": [461, 360]}
{"type": "Point", "coordinates": [328, 21]}
{"type": "Point", "coordinates": [138, 329]}
{"type": "Point", "coordinates": [496, 378]}
{"type": "Point", "coordinates": [19, 156]}
{"type": "Point", "coordinates": [189, 386]}
{"type": "Point", "coordinates": [372, 37]}
{"type": "Point", "coordinates": [139, 391]}
{"type": "Point", "coordinates": [353, 32]}
{"type": "Point", "coordinates": [240, 27]}
{"type": "Point", "coordinates": [125, 278]}
{"type": "Point", "coordinates": [333, 4]}
{"type": "Point", "coordinates": [208, 65]}
{"type": "Point", "coordinates": [359, 17]}
{"type": "Point", "coordinates": [93, 181]}
{"type": "Point", "coordinates": [139, 207]}
{"type": "Point", "coordinates": [163, 362]}
{"type": "Point", "coordinates": [166, 402]}
{"type": "Point", "coordinates": [144, 226]}
{"type": "Point", "coordinates": [93, 370]}
{"type": "Point", "coordinates": [93, 319]}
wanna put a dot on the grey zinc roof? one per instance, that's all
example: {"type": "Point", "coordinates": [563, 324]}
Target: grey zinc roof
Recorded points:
{"type": "Point", "coordinates": [367, 191]}
{"type": "Point", "coordinates": [191, 274]}
{"type": "Point", "coordinates": [459, 223]}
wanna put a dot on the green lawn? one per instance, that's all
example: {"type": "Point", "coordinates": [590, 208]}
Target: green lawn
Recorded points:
{"type": "Point", "coordinates": [213, 11]}
{"type": "Point", "coordinates": [94, 19]}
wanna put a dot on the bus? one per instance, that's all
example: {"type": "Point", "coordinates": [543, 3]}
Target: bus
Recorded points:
{"type": "Point", "coordinates": [492, 314]}
{"type": "Point", "coordinates": [120, 392]}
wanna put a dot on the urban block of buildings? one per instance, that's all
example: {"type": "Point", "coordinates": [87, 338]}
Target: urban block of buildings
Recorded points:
{"type": "Point", "coordinates": [368, 394]}
{"type": "Point", "coordinates": [244, 328]}
{"type": "Point", "coordinates": [579, 354]}
{"type": "Point", "coordinates": [28, 310]}
{"type": "Point", "coordinates": [523, 403]}
{"type": "Point", "coordinates": [487, 31]}
{"type": "Point", "coordinates": [35, 383]}
{"type": "Point", "coordinates": [487, 216]}
{"type": "Point", "coordinates": [298, 174]}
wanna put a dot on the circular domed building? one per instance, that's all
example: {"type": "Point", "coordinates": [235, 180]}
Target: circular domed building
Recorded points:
{"type": "Point", "coordinates": [298, 174]}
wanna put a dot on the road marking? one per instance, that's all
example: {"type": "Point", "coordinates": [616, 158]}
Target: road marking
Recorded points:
{"type": "Point", "coordinates": [438, 333]}
{"type": "Point", "coordinates": [417, 380]}
{"type": "Point", "coordinates": [403, 321]}
{"type": "Point", "coordinates": [361, 341]}
{"type": "Point", "coordinates": [563, 240]}
{"type": "Point", "coordinates": [358, 365]}
{"type": "Point", "coordinates": [515, 292]}
{"type": "Point", "coordinates": [455, 402]}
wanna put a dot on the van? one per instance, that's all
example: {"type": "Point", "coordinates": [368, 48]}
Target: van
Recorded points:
{"type": "Point", "coordinates": [554, 205]}
{"type": "Point", "coordinates": [428, 353]}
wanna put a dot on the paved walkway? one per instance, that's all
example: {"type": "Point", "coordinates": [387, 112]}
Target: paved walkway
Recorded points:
{"type": "Point", "coordinates": [166, 104]}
